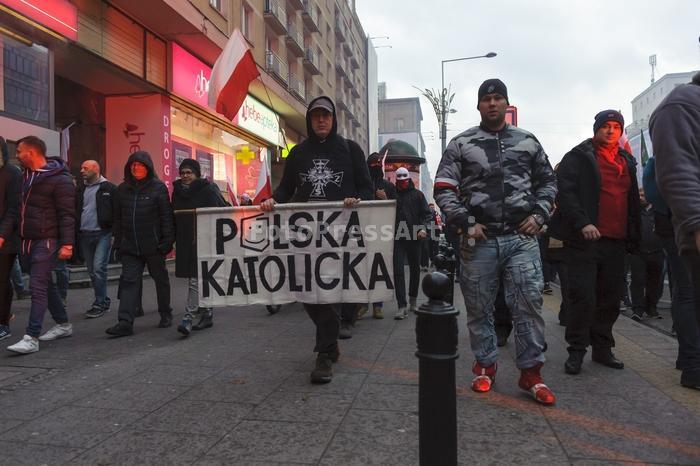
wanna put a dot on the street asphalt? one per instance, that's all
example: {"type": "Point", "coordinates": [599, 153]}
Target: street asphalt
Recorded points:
{"type": "Point", "coordinates": [239, 393]}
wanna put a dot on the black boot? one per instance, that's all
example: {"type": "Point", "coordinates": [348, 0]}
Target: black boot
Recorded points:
{"type": "Point", "coordinates": [166, 320]}
{"type": "Point", "coordinates": [574, 362]}
{"type": "Point", "coordinates": [323, 372]}
{"type": "Point", "coordinates": [206, 320]}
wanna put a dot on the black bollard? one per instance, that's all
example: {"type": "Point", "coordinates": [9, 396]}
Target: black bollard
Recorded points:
{"type": "Point", "coordinates": [446, 262]}
{"type": "Point", "coordinates": [437, 338]}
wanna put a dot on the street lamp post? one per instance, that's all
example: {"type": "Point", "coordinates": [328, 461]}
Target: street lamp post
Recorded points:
{"type": "Point", "coordinates": [443, 95]}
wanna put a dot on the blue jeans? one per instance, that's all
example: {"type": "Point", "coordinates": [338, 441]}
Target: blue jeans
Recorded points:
{"type": "Point", "coordinates": [95, 246]}
{"type": "Point", "coordinates": [515, 260]}
{"type": "Point", "coordinates": [42, 259]}
{"type": "Point", "coordinates": [16, 276]}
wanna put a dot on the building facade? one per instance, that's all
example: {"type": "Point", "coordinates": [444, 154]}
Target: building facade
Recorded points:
{"type": "Point", "coordinates": [643, 106]}
{"type": "Point", "coordinates": [400, 120]}
{"type": "Point", "coordinates": [114, 77]}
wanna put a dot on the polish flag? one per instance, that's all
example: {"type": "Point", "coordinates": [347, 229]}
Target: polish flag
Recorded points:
{"type": "Point", "coordinates": [231, 194]}
{"type": "Point", "coordinates": [624, 143]}
{"type": "Point", "coordinates": [264, 188]}
{"type": "Point", "coordinates": [233, 72]}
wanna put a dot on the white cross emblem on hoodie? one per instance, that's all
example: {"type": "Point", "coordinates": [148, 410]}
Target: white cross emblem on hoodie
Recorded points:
{"type": "Point", "coordinates": [319, 176]}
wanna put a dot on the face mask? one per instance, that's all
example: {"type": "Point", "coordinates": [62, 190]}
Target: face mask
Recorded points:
{"type": "Point", "coordinates": [139, 171]}
{"type": "Point", "coordinates": [402, 184]}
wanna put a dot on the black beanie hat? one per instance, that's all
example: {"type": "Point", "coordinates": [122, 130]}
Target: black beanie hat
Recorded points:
{"type": "Point", "coordinates": [193, 165]}
{"type": "Point", "coordinates": [373, 157]}
{"type": "Point", "coordinates": [607, 115]}
{"type": "Point", "coordinates": [492, 86]}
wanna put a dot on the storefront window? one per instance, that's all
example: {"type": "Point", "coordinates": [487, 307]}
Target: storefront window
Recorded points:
{"type": "Point", "coordinates": [224, 157]}
{"type": "Point", "coordinates": [24, 81]}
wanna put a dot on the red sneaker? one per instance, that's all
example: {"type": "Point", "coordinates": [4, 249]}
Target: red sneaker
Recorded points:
{"type": "Point", "coordinates": [531, 380]}
{"type": "Point", "coordinates": [485, 376]}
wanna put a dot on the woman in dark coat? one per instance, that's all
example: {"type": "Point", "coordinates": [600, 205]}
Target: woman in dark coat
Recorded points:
{"type": "Point", "coordinates": [191, 192]}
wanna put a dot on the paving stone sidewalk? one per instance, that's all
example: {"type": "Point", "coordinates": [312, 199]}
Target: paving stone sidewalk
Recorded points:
{"type": "Point", "coordinates": [239, 394]}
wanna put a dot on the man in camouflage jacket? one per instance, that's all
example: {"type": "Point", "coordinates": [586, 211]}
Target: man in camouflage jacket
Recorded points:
{"type": "Point", "coordinates": [496, 187]}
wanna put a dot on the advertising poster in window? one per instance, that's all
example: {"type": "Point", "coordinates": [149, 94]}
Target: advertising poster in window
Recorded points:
{"type": "Point", "coordinates": [205, 162]}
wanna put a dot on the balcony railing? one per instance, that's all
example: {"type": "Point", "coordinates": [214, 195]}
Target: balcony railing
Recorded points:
{"type": "Point", "coordinates": [276, 66]}
{"type": "Point", "coordinates": [310, 16]}
{"type": "Point", "coordinates": [295, 40]}
{"type": "Point", "coordinates": [341, 100]}
{"type": "Point", "coordinates": [276, 16]}
{"type": "Point", "coordinates": [296, 4]}
{"type": "Point", "coordinates": [340, 67]}
{"type": "Point", "coordinates": [339, 29]}
{"type": "Point", "coordinates": [354, 62]}
{"type": "Point", "coordinates": [311, 62]}
{"type": "Point", "coordinates": [297, 86]}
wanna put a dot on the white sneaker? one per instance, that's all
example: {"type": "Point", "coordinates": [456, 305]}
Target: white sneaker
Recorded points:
{"type": "Point", "coordinates": [400, 314]}
{"type": "Point", "coordinates": [25, 346]}
{"type": "Point", "coordinates": [58, 331]}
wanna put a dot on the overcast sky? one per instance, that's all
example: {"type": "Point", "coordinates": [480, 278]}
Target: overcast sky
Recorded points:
{"type": "Point", "coordinates": [562, 61]}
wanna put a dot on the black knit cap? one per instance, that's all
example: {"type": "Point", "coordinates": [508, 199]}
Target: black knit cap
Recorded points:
{"type": "Point", "coordinates": [193, 165]}
{"type": "Point", "coordinates": [607, 115]}
{"type": "Point", "coordinates": [492, 86]}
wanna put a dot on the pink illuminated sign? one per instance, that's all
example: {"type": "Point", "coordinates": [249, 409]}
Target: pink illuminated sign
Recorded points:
{"type": "Point", "coordinates": [58, 15]}
{"type": "Point", "coordinates": [190, 76]}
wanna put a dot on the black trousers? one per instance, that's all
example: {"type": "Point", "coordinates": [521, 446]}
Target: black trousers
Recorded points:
{"type": "Point", "coordinates": [348, 313]}
{"type": "Point", "coordinates": [326, 317]}
{"type": "Point", "coordinates": [410, 249]}
{"type": "Point", "coordinates": [646, 286]}
{"type": "Point", "coordinates": [131, 281]}
{"type": "Point", "coordinates": [596, 279]}
{"type": "Point", "coordinates": [6, 263]}
{"type": "Point", "coordinates": [691, 261]}
{"type": "Point", "coordinates": [557, 258]}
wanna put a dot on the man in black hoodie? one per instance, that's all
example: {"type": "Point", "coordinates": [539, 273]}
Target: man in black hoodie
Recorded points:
{"type": "Point", "coordinates": [47, 219]}
{"type": "Point", "coordinates": [10, 180]}
{"type": "Point", "coordinates": [144, 233]}
{"type": "Point", "coordinates": [325, 167]}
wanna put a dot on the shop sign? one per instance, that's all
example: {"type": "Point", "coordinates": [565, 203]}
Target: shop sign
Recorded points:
{"type": "Point", "coordinates": [58, 15]}
{"type": "Point", "coordinates": [259, 120]}
{"type": "Point", "coordinates": [138, 123]}
{"type": "Point", "coordinates": [190, 79]}
{"type": "Point", "coordinates": [190, 76]}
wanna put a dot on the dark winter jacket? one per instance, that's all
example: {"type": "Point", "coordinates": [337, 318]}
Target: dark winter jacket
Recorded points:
{"type": "Point", "coordinates": [106, 203]}
{"type": "Point", "coordinates": [663, 225]}
{"type": "Point", "coordinates": [143, 224]}
{"type": "Point", "coordinates": [579, 195]}
{"type": "Point", "coordinates": [48, 203]}
{"type": "Point", "coordinates": [387, 186]}
{"type": "Point", "coordinates": [411, 211]}
{"type": "Point", "coordinates": [328, 170]}
{"type": "Point", "coordinates": [498, 178]}
{"type": "Point", "coordinates": [675, 134]}
{"type": "Point", "coordinates": [200, 193]}
{"type": "Point", "coordinates": [10, 180]}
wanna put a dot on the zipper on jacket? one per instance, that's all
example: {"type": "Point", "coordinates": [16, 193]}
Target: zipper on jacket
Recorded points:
{"type": "Point", "coordinates": [503, 183]}
{"type": "Point", "coordinates": [133, 224]}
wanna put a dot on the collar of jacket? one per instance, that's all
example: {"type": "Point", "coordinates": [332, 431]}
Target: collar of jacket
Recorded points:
{"type": "Point", "coordinates": [587, 150]}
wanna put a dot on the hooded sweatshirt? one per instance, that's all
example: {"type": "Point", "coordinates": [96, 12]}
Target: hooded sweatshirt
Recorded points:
{"type": "Point", "coordinates": [143, 223]}
{"type": "Point", "coordinates": [324, 170]}
{"type": "Point", "coordinates": [47, 208]}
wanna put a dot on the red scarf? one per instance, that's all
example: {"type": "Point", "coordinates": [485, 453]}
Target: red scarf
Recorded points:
{"type": "Point", "coordinates": [610, 154]}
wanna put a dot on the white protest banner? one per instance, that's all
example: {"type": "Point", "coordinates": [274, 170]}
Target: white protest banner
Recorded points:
{"type": "Point", "coordinates": [310, 253]}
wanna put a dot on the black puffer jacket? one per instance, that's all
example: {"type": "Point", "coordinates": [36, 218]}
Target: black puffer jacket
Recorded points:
{"type": "Point", "coordinates": [143, 221]}
{"type": "Point", "coordinates": [579, 196]}
{"type": "Point", "coordinates": [48, 203]}
{"type": "Point", "coordinates": [10, 179]}
{"type": "Point", "coordinates": [411, 210]}
{"type": "Point", "coordinates": [200, 193]}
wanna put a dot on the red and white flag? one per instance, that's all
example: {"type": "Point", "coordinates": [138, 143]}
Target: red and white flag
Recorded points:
{"type": "Point", "coordinates": [624, 143]}
{"type": "Point", "coordinates": [231, 194]}
{"type": "Point", "coordinates": [264, 188]}
{"type": "Point", "coordinates": [233, 72]}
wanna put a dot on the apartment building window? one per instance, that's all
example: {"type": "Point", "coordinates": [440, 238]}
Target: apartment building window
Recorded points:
{"type": "Point", "coordinates": [246, 23]}
{"type": "Point", "coordinates": [216, 4]}
{"type": "Point", "coordinates": [399, 124]}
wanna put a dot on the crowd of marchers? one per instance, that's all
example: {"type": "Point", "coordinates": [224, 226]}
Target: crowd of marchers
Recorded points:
{"type": "Point", "coordinates": [508, 214]}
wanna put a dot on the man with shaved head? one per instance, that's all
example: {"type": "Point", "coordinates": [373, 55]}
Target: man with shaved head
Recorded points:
{"type": "Point", "coordinates": [95, 204]}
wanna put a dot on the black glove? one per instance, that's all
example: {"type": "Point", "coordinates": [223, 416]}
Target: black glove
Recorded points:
{"type": "Point", "coordinates": [461, 221]}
